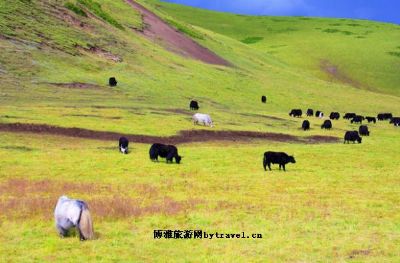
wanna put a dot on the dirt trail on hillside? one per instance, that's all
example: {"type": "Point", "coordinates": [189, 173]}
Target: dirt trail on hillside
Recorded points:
{"type": "Point", "coordinates": [186, 136]}
{"type": "Point", "coordinates": [158, 30]}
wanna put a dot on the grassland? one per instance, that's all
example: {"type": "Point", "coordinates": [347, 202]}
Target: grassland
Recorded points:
{"type": "Point", "coordinates": [337, 203]}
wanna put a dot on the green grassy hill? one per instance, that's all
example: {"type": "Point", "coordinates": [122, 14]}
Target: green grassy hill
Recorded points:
{"type": "Point", "coordinates": [365, 54]}
{"type": "Point", "coordinates": [338, 202]}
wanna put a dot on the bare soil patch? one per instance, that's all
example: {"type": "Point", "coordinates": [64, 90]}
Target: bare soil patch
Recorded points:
{"type": "Point", "coordinates": [186, 136]}
{"type": "Point", "coordinates": [158, 30]}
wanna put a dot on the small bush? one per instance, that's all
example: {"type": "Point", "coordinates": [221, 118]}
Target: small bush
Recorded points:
{"type": "Point", "coordinates": [76, 9]}
{"type": "Point", "coordinates": [251, 40]}
{"type": "Point", "coordinates": [96, 9]}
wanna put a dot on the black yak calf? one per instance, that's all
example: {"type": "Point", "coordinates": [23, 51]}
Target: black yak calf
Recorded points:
{"type": "Point", "coordinates": [123, 145]}
{"type": "Point", "coordinates": [371, 119]}
{"type": "Point", "coordinates": [296, 113]}
{"type": "Point", "coordinates": [319, 114]}
{"type": "Point", "coordinates": [352, 136]}
{"type": "Point", "coordinates": [357, 119]}
{"type": "Point", "coordinates": [349, 115]}
{"type": "Point", "coordinates": [310, 112]}
{"type": "Point", "coordinates": [363, 130]}
{"type": "Point", "coordinates": [395, 121]}
{"type": "Point", "coordinates": [326, 125]}
{"type": "Point", "coordinates": [280, 158]}
{"type": "Point", "coordinates": [165, 151]}
{"type": "Point", "coordinates": [384, 116]}
{"type": "Point", "coordinates": [194, 105]}
{"type": "Point", "coordinates": [112, 82]}
{"type": "Point", "coordinates": [306, 125]}
{"type": "Point", "coordinates": [263, 99]}
{"type": "Point", "coordinates": [334, 116]}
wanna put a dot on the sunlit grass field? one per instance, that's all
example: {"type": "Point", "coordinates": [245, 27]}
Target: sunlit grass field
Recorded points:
{"type": "Point", "coordinates": [339, 202]}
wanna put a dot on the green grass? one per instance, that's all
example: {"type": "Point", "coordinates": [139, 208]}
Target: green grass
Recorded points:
{"type": "Point", "coordinates": [251, 40]}
{"type": "Point", "coordinates": [76, 9]}
{"type": "Point", "coordinates": [360, 48]}
{"type": "Point", "coordinates": [187, 30]}
{"type": "Point", "coordinates": [97, 10]}
{"type": "Point", "coordinates": [337, 203]}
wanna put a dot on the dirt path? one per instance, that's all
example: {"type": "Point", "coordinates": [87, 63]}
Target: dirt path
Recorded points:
{"type": "Point", "coordinates": [158, 30]}
{"type": "Point", "coordinates": [187, 136]}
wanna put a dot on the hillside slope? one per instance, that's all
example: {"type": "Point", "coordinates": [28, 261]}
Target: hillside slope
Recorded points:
{"type": "Point", "coordinates": [60, 123]}
{"type": "Point", "coordinates": [44, 57]}
{"type": "Point", "coordinates": [364, 54]}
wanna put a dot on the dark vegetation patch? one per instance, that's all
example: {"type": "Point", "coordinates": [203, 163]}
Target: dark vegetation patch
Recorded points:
{"type": "Point", "coordinates": [185, 136]}
{"type": "Point", "coordinates": [76, 9]}
{"type": "Point", "coordinates": [354, 24]}
{"type": "Point", "coordinates": [278, 20]}
{"type": "Point", "coordinates": [333, 31]}
{"type": "Point", "coordinates": [76, 85]}
{"type": "Point", "coordinates": [24, 198]}
{"type": "Point", "coordinates": [95, 7]}
{"type": "Point", "coordinates": [251, 40]}
{"type": "Point", "coordinates": [17, 148]}
{"type": "Point", "coordinates": [394, 53]}
{"type": "Point", "coordinates": [277, 46]}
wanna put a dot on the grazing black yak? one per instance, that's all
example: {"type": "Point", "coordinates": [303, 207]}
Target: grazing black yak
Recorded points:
{"type": "Point", "coordinates": [326, 125]}
{"type": "Point", "coordinates": [357, 119]}
{"type": "Point", "coordinates": [384, 116]}
{"type": "Point", "coordinates": [395, 121]}
{"type": "Point", "coordinates": [349, 115]}
{"type": "Point", "coordinates": [194, 105]}
{"type": "Point", "coordinates": [319, 114]}
{"type": "Point", "coordinates": [123, 145]}
{"type": "Point", "coordinates": [334, 116]}
{"type": "Point", "coordinates": [306, 125]}
{"type": "Point", "coordinates": [296, 113]}
{"type": "Point", "coordinates": [352, 136]}
{"type": "Point", "coordinates": [112, 82]}
{"type": "Point", "coordinates": [165, 151]}
{"type": "Point", "coordinates": [280, 158]}
{"type": "Point", "coordinates": [371, 119]}
{"type": "Point", "coordinates": [310, 112]}
{"type": "Point", "coordinates": [363, 130]}
{"type": "Point", "coordinates": [263, 99]}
